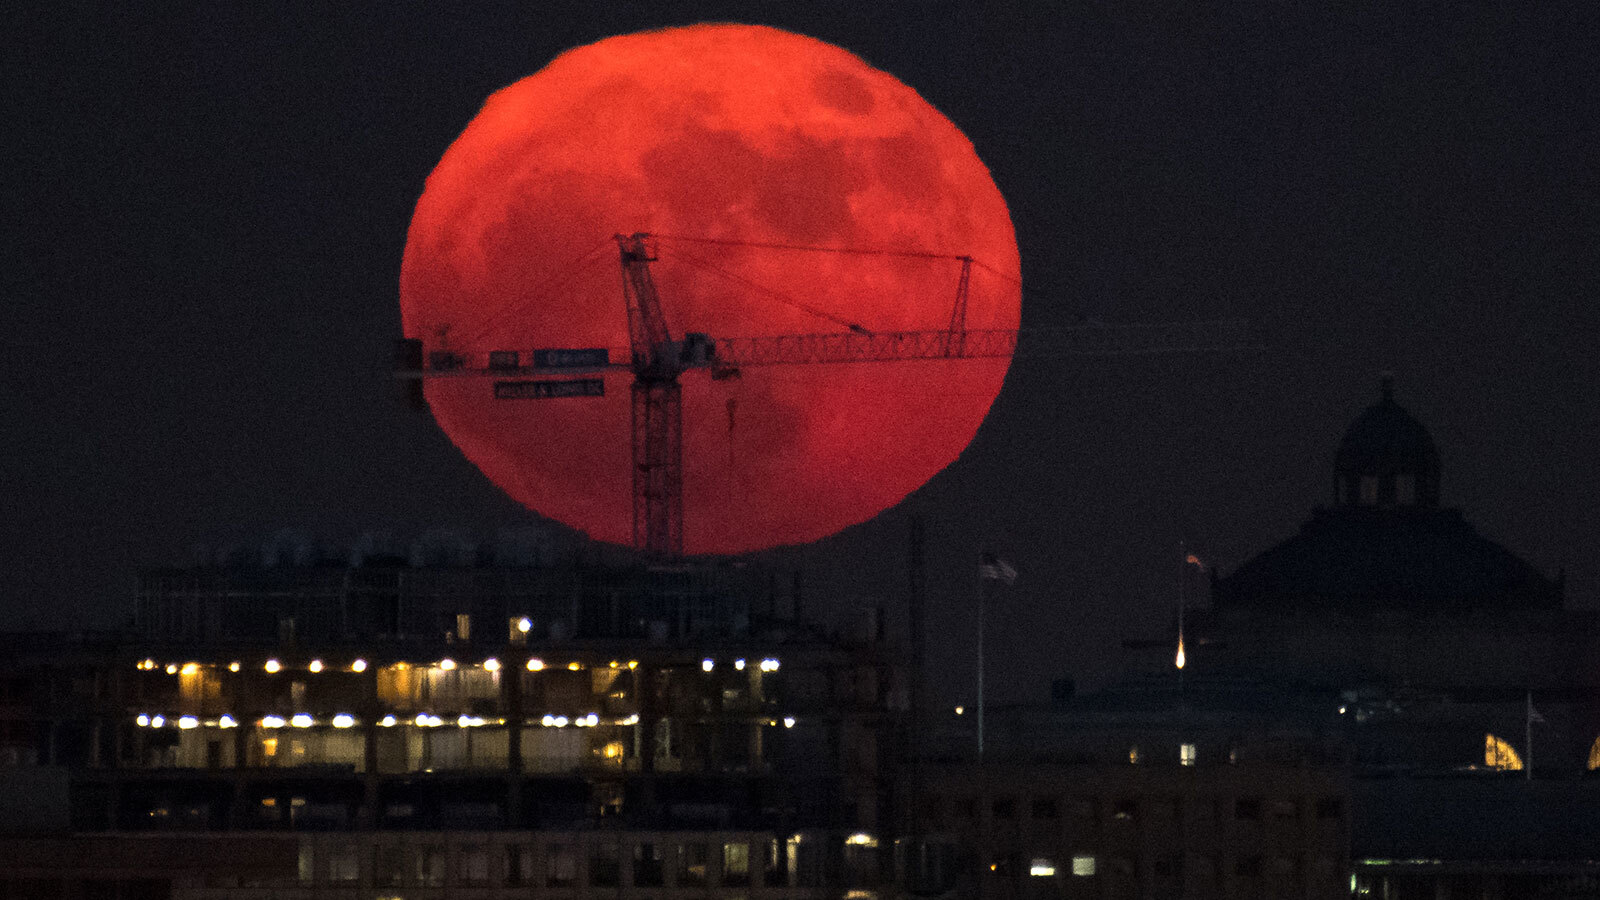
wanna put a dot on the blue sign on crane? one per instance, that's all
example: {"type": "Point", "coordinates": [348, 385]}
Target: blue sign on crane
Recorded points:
{"type": "Point", "coordinates": [565, 358]}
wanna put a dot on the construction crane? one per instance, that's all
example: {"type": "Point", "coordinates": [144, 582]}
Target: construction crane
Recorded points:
{"type": "Point", "coordinates": [658, 360]}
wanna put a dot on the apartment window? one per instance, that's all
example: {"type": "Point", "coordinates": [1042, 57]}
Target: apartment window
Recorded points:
{"type": "Point", "coordinates": [647, 868]}
{"type": "Point", "coordinates": [774, 873]}
{"type": "Point", "coordinates": [1083, 808]}
{"type": "Point", "coordinates": [308, 864]}
{"type": "Point", "coordinates": [1045, 808]}
{"type": "Point", "coordinates": [1004, 807]}
{"type": "Point", "coordinates": [390, 866]}
{"type": "Point", "coordinates": [561, 868]}
{"type": "Point", "coordinates": [605, 868]}
{"type": "Point", "coordinates": [693, 863]}
{"type": "Point", "coordinates": [1083, 866]}
{"type": "Point", "coordinates": [1405, 489]}
{"type": "Point", "coordinates": [474, 864]}
{"type": "Point", "coordinates": [1186, 754]}
{"type": "Point", "coordinates": [344, 863]}
{"type": "Point", "coordinates": [1285, 810]}
{"type": "Point", "coordinates": [430, 865]}
{"type": "Point", "coordinates": [1125, 810]}
{"type": "Point", "coordinates": [519, 865]}
{"type": "Point", "coordinates": [736, 864]}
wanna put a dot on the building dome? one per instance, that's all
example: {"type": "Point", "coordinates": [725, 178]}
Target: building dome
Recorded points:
{"type": "Point", "coordinates": [1387, 459]}
{"type": "Point", "coordinates": [1385, 544]}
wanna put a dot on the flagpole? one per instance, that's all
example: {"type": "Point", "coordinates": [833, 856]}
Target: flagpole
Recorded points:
{"type": "Point", "coordinates": [981, 597]}
{"type": "Point", "coordinates": [1527, 764]}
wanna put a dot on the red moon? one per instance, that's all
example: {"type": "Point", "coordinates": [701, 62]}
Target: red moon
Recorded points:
{"type": "Point", "coordinates": [730, 133]}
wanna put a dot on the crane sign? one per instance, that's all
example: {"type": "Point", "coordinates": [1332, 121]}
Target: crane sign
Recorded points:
{"type": "Point", "coordinates": [657, 361]}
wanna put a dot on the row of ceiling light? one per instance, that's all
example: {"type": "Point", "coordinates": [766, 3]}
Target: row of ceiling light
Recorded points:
{"type": "Point", "coordinates": [273, 666]}
{"type": "Point", "coordinates": [422, 720]}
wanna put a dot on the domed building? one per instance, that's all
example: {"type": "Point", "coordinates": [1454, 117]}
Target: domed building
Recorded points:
{"type": "Point", "coordinates": [1385, 544]}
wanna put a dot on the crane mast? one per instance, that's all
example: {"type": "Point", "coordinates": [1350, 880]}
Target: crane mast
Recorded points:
{"type": "Point", "coordinates": [657, 406]}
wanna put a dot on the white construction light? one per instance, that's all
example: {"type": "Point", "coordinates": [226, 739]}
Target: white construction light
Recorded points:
{"type": "Point", "coordinates": [301, 720]}
{"type": "Point", "coordinates": [769, 665]}
{"type": "Point", "coordinates": [188, 722]}
{"type": "Point", "coordinates": [271, 721]}
{"type": "Point", "coordinates": [343, 720]}
{"type": "Point", "coordinates": [707, 665]}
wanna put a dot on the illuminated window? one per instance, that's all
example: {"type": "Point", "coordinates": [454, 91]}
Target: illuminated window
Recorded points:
{"type": "Point", "coordinates": [1369, 490]}
{"type": "Point", "coordinates": [1497, 754]}
{"type": "Point", "coordinates": [308, 864]}
{"type": "Point", "coordinates": [1083, 866]}
{"type": "Point", "coordinates": [605, 866]}
{"type": "Point", "coordinates": [1133, 754]}
{"type": "Point", "coordinates": [1042, 868]}
{"type": "Point", "coordinates": [736, 864]}
{"type": "Point", "coordinates": [1186, 754]}
{"type": "Point", "coordinates": [1594, 755]}
{"type": "Point", "coordinates": [463, 627]}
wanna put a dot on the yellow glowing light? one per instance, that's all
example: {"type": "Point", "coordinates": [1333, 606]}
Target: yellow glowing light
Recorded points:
{"type": "Point", "coordinates": [524, 624]}
{"type": "Point", "coordinates": [316, 665]}
{"type": "Point", "coordinates": [615, 665]}
{"type": "Point", "coordinates": [172, 668]}
{"type": "Point", "coordinates": [1180, 660]}
{"type": "Point", "coordinates": [190, 668]}
{"type": "Point", "coordinates": [574, 666]}
{"type": "Point", "coordinates": [269, 746]}
{"type": "Point", "coordinates": [343, 720]}
{"type": "Point", "coordinates": [491, 665]}
{"type": "Point", "coordinates": [1042, 868]}
{"type": "Point", "coordinates": [147, 664]}
{"type": "Point", "coordinates": [633, 664]}
{"type": "Point", "coordinates": [788, 721]}
{"type": "Point", "coordinates": [233, 666]}
{"type": "Point", "coordinates": [630, 720]}
{"type": "Point", "coordinates": [861, 839]}
{"type": "Point", "coordinates": [447, 664]}
{"type": "Point", "coordinates": [359, 665]}
{"type": "Point", "coordinates": [272, 666]}
{"type": "Point", "coordinates": [1499, 754]}
{"type": "Point", "coordinates": [535, 665]}
{"type": "Point", "coordinates": [613, 750]}
{"type": "Point", "coordinates": [961, 710]}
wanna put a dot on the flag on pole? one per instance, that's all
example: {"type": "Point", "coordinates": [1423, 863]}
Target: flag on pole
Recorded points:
{"type": "Point", "coordinates": [1193, 560]}
{"type": "Point", "coordinates": [1533, 714]}
{"type": "Point", "coordinates": [993, 568]}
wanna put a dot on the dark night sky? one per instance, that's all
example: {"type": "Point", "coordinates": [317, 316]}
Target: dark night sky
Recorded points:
{"type": "Point", "coordinates": [206, 209]}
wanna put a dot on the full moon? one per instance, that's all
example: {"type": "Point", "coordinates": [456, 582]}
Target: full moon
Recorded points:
{"type": "Point", "coordinates": [794, 189]}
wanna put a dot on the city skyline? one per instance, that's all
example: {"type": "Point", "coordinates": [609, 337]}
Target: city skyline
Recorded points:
{"type": "Point", "coordinates": [211, 207]}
